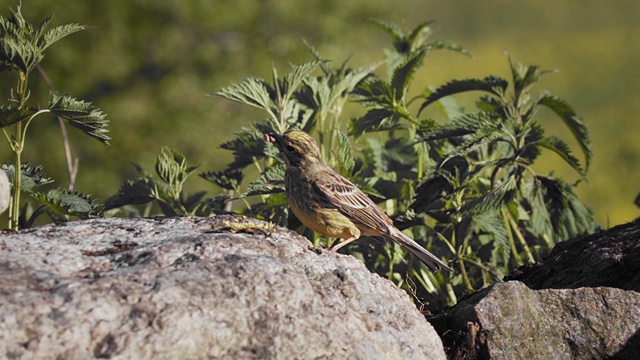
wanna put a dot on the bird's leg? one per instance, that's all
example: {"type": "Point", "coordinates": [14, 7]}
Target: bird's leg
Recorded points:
{"type": "Point", "coordinates": [337, 244]}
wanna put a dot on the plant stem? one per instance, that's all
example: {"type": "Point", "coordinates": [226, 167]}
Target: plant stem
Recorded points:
{"type": "Point", "coordinates": [512, 243]}
{"type": "Point", "coordinates": [463, 270]}
{"type": "Point", "coordinates": [521, 238]}
{"type": "Point", "coordinates": [18, 142]}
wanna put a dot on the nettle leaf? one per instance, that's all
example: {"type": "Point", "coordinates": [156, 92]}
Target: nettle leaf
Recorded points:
{"type": "Point", "coordinates": [481, 137]}
{"type": "Point", "coordinates": [71, 203]}
{"type": "Point", "coordinates": [540, 218]}
{"type": "Point", "coordinates": [525, 76]}
{"type": "Point", "coordinates": [58, 33]}
{"type": "Point", "coordinates": [561, 148]}
{"type": "Point", "coordinates": [491, 84]}
{"type": "Point", "coordinates": [570, 216]}
{"type": "Point", "coordinates": [373, 120]}
{"type": "Point", "coordinates": [297, 75]}
{"type": "Point", "coordinates": [460, 126]}
{"type": "Point", "coordinates": [18, 49]}
{"type": "Point", "coordinates": [248, 143]}
{"type": "Point", "coordinates": [228, 179]}
{"type": "Point", "coordinates": [81, 115]}
{"type": "Point", "coordinates": [403, 74]}
{"type": "Point", "coordinates": [173, 169]}
{"type": "Point", "coordinates": [10, 115]}
{"type": "Point", "coordinates": [30, 178]}
{"type": "Point", "coordinates": [344, 155]}
{"type": "Point", "coordinates": [270, 181]}
{"type": "Point", "coordinates": [374, 91]}
{"type": "Point", "coordinates": [492, 223]}
{"type": "Point", "coordinates": [133, 192]}
{"type": "Point", "coordinates": [252, 91]}
{"type": "Point", "coordinates": [573, 121]}
{"type": "Point", "coordinates": [446, 45]}
{"type": "Point", "coordinates": [399, 41]}
{"type": "Point", "coordinates": [493, 200]}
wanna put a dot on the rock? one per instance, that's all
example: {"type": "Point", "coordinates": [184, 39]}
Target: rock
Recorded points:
{"type": "Point", "coordinates": [607, 258]}
{"type": "Point", "coordinates": [511, 321]}
{"type": "Point", "coordinates": [178, 288]}
{"type": "Point", "coordinates": [5, 191]}
{"type": "Point", "coordinates": [577, 303]}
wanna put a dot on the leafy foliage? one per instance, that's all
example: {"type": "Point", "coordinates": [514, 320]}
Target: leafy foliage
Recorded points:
{"type": "Point", "coordinates": [22, 47]}
{"type": "Point", "coordinates": [57, 203]}
{"type": "Point", "coordinates": [173, 170]}
{"type": "Point", "coordinates": [466, 188]}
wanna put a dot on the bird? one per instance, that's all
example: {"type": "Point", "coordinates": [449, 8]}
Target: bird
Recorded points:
{"type": "Point", "coordinates": [330, 204]}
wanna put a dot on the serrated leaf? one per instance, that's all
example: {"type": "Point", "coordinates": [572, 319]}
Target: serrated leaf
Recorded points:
{"type": "Point", "coordinates": [10, 115]}
{"type": "Point", "coordinates": [373, 91]}
{"type": "Point", "coordinates": [395, 32]}
{"type": "Point", "coordinates": [493, 200]}
{"type": "Point", "coordinates": [570, 216]}
{"type": "Point", "coordinates": [491, 84]}
{"type": "Point", "coordinates": [247, 144]}
{"type": "Point", "coordinates": [30, 178]}
{"type": "Point", "coordinates": [459, 126]}
{"type": "Point", "coordinates": [492, 223]}
{"type": "Point", "coordinates": [561, 148]}
{"type": "Point", "coordinates": [58, 33]}
{"type": "Point", "coordinates": [344, 155]}
{"type": "Point", "coordinates": [373, 120]}
{"type": "Point", "coordinates": [173, 170]}
{"type": "Point", "coordinates": [296, 76]}
{"type": "Point", "coordinates": [270, 181]}
{"type": "Point", "coordinates": [252, 91]}
{"type": "Point", "coordinates": [81, 115]}
{"type": "Point", "coordinates": [446, 45]}
{"type": "Point", "coordinates": [71, 203]}
{"type": "Point", "coordinates": [228, 179]}
{"type": "Point", "coordinates": [572, 120]}
{"type": "Point", "coordinates": [403, 74]}
{"type": "Point", "coordinates": [133, 192]}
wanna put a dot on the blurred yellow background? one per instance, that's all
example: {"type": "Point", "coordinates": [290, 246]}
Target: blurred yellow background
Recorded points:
{"type": "Point", "coordinates": [149, 64]}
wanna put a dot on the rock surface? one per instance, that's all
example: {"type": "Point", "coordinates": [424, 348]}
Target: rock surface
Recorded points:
{"type": "Point", "coordinates": [176, 288]}
{"type": "Point", "coordinates": [577, 303]}
{"type": "Point", "coordinates": [607, 258]}
{"type": "Point", "coordinates": [511, 321]}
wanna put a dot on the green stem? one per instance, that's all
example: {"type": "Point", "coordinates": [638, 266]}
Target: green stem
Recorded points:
{"type": "Point", "coordinates": [521, 238]}
{"type": "Point", "coordinates": [17, 147]}
{"type": "Point", "coordinates": [512, 243]}
{"type": "Point", "coordinates": [463, 269]}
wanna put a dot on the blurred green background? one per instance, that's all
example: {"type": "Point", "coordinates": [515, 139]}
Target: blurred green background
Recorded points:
{"type": "Point", "coordinates": [149, 65]}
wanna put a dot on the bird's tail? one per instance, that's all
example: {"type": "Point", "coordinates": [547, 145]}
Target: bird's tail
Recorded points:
{"type": "Point", "coordinates": [432, 262]}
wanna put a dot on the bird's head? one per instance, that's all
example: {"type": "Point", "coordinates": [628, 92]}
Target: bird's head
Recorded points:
{"type": "Point", "coordinates": [297, 147]}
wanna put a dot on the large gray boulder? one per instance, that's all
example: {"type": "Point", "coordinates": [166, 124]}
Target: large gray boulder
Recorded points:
{"type": "Point", "coordinates": [189, 288]}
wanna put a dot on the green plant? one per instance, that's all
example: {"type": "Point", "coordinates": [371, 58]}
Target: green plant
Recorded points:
{"type": "Point", "coordinates": [22, 47]}
{"type": "Point", "coordinates": [466, 188]}
{"type": "Point", "coordinates": [173, 170]}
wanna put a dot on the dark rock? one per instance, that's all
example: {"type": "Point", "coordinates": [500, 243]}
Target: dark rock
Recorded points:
{"type": "Point", "coordinates": [177, 288]}
{"type": "Point", "coordinates": [511, 321]}
{"type": "Point", "coordinates": [607, 258]}
{"type": "Point", "coordinates": [581, 302]}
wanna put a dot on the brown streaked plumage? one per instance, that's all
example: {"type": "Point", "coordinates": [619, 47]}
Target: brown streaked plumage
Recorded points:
{"type": "Point", "coordinates": [330, 204]}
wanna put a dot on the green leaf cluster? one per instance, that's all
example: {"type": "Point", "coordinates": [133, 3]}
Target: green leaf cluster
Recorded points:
{"type": "Point", "coordinates": [22, 47]}
{"type": "Point", "coordinates": [466, 188]}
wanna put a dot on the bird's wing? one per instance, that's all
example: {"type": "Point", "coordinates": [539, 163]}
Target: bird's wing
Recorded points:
{"type": "Point", "coordinates": [352, 202]}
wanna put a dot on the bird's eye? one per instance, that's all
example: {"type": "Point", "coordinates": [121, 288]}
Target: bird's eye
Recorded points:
{"type": "Point", "coordinates": [290, 148]}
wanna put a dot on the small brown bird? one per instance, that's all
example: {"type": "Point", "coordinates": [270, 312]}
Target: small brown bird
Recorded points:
{"type": "Point", "coordinates": [330, 204]}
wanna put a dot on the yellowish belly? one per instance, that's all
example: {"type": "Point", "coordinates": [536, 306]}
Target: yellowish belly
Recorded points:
{"type": "Point", "coordinates": [329, 222]}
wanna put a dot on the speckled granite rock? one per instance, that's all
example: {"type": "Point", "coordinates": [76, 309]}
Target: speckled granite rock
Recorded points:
{"type": "Point", "coordinates": [222, 288]}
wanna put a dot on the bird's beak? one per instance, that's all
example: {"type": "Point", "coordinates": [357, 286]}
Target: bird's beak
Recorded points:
{"type": "Point", "coordinates": [273, 138]}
